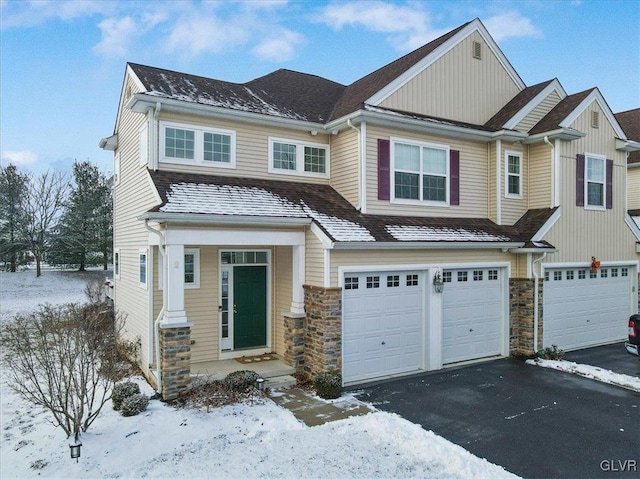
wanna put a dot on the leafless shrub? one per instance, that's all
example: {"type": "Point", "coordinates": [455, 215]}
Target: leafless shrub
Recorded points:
{"type": "Point", "coordinates": [209, 393]}
{"type": "Point", "coordinates": [65, 359]}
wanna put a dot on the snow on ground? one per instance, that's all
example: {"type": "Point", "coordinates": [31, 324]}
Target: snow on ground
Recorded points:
{"type": "Point", "coordinates": [591, 372]}
{"type": "Point", "coordinates": [259, 440]}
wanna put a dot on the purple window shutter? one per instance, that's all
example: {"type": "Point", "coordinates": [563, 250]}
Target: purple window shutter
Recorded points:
{"type": "Point", "coordinates": [579, 180]}
{"type": "Point", "coordinates": [609, 181]}
{"type": "Point", "coordinates": [454, 170]}
{"type": "Point", "coordinates": [384, 169]}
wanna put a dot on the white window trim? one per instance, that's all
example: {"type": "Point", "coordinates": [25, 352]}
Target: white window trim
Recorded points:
{"type": "Point", "coordinates": [196, 268]}
{"type": "Point", "coordinates": [299, 171]}
{"type": "Point", "coordinates": [587, 206]}
{"type": "Point", "coordinates": [117, 264]}
{"type": "Point", "coordinates": [146, 268]}
{"type": "Point", "coordinates": [116, 170]}
{"type": "Point", "coordinates": [199, 145]}
{"type": "Point", "coordinates": [405, 201]}
{"type": "Point", "coordinates": [143, 145]}
{"type": "Point", "coordinates": [507, 154]}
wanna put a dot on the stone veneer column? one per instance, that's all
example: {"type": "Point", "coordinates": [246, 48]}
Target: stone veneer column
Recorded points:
{"type": "Point", "coordinates": [322, 329]}
{"type": "Point", "coordinates": [294, 339]}
{"type": "Point", "coordinates": [521, 315]}
{"type": "Point", "coordinates": [175, 359]}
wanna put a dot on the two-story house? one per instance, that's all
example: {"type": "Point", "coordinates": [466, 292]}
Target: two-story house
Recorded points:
{"type": "Point", "coordinates": [630, 123]}
{"type": "Point", "coordinates": [435, 211]}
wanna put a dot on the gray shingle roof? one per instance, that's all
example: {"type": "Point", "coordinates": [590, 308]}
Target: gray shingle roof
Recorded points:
{"type": "Point", "coordinates": [630, 124]}
{"type": "Point", "coordinates": [497, 121]}
{"type": "Point", "coordinates": [551, 121]}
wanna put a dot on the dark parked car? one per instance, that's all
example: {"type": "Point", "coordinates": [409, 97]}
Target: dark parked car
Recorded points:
{"type": "Point", "coordinates": [633, 344]}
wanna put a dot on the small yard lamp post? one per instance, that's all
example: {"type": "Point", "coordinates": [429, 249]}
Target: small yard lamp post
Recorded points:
{"type": "Point", "coordinates": [75, 449]}
{"type": "Point", "coordinates": [438, 284]}
{"type": "Point", "coordinates": [260, 384]}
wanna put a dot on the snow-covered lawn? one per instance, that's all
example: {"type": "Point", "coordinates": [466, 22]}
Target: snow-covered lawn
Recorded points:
{"type": "Point", "coordinates": [591, 372]}
{"type": "Point", "coordinates": [240, 441]}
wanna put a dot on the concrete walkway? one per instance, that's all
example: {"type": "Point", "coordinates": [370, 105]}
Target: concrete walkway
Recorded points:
{"type": "Point", "coordinates": [314, 411]}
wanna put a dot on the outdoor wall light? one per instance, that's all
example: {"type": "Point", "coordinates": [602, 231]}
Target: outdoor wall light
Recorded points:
{"type": "Point", "coordinates": [75, 450]}
{"type": "Point", "coordinates": [438, 284]}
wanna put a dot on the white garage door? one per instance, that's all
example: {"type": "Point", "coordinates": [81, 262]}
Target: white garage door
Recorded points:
{"type": "Point", "coordinates": [473, 311]}
{"type": "Point", "coordinates": [584, 309]}
{"type": "Point", "coordinates": [383, 324]}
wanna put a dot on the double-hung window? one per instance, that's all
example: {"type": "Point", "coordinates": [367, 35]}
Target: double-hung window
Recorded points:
{"type": "Point", "coordinates": [142, 269]}
{"type": "Point", "coordinates": [420, 172]}
{"type": "Point", "coordinates": [595, 184]}
{"type": "Point", "coordinates": [203, 146]}
{"type": "Point", "coordinates": [191, 268]}
{"type": "Point", "coordinates": [513, 174]}
{"type": "Point", "coordinates": [291, 157]}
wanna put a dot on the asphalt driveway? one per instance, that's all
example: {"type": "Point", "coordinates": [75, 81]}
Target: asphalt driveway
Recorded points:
{"type": "Point", "coordinates": [535, 422]}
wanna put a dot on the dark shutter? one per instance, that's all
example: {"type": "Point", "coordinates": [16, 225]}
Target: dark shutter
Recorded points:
{"type": "Point", "coordinates": [454, 170]}
{"type": "Point", "coordinates": [579, 180]}
{"type": "Point", "coordinates": [384, 173]}
{"type": "Point", "coordinates": [609, 181]}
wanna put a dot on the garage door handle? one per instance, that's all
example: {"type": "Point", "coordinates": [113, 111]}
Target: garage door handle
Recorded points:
{"type": "Point", "coordinates": [471, 330]}
{"type": "Point", "coordinates": [383, 343]}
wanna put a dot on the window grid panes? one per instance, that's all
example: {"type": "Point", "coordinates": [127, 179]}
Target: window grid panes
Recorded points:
{"type": "Point", "coordinates": [393, 281]}
{"type": "Point", "coordinates": [243, 257]}
{"type": "Point", "coordinates": [217, 147]}
{"type": "Point", "coordinates": [477, 275]}
{"type": "Point", "coordinates": [582, 274]}
{"type": "Point", "coordinates": [624, 272]}
{"type": "Point", "coordinates": [604, 273]}
{"type": "Point", "coordinates": [595, 181]}
{"type": "Point", "coordinates": [614, 272]}
{"type": "Point", "coordinates": [546, 276]}
{"type": "Point", "coordinates": [462, 276]}
{"type": "Point", "coordinates": [412, 280]}
{"type": "Point", "coordinates": [446, 277]}
{"type": "Point", "coordinates": [315, 159]}
{"type": "Point", "coordinates": [373, 282]}
{"type": "Point", "coordinates": [179, 143]}
{"type": "Point", "coordinates": [493, 274]}
{"type": "Point", "coordinates": [513, 174]}
{"type": "Point", "coordinates": [570, 275]}
{"type": "Point", "coordinates": [189, 268]}
{"type": "Point", "coordinates": [143, 268]}
{"type": "Point", "coordinates": [593, 275]}
{"type": "Point", "coordinates": [557, 275]}
{"type": "Point", "coordinates": [284, 156]}
{"type": "Point", "coordinates": [351, 283]}
{"type": "Point", "coordinates": [116, 263]}
{"type": "Point", "coordinates": [420, 172]}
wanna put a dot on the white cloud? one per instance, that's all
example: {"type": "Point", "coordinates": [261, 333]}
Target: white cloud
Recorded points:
{"type": "Point", "coordinates": [117, 34]}
{"type": "Point", "coordinates": [279, 48]}
{"type": "Point", "coordinates": [511, 24]}
{"type": "Point", "coordinates": [35, 12]}
{"type": "Point", "coordinates": [19, 157]}
{"type": "Point", "coordinates": [409, 26]}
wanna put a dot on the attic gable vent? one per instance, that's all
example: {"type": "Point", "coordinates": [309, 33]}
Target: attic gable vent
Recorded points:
{"type": "Point", "coordinates": [595, 119]}
{"type": "Point", "coordinates": [477, 50]}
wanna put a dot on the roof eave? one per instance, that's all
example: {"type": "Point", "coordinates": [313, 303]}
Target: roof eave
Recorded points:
{"type": "Point", "coordinates": [109, 143]}
{"type": "Point", "coordinates": [141, 102]}
{"type": "Point", "coordinates": [627, 145]}
{"type": "Point", "coordinates": [567, 134]}
{"type": "Point", "coordinates": [533, 250]}
{"type": "Point", "coordinates": [427, 245]}
{"type": "Point", "coordinates": [229, 220]}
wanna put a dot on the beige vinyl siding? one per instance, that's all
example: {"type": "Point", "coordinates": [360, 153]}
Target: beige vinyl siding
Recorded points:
{"type": "Point", "coordinates": [282, 292]}
{"type": "Point", "coordinates": [133, 195]}
{"type": "Point", "coordinates": [540, 163]}
{"type": "Point", "coordinates": [314, 260]}
{"type": "Point", "coordinates": [514, 208]}
{"type": "Point", "coordinates": [473, 177]}
{"type": "Point", "coordinates": [344, 165]}
{"type": "Point", "coordinates": [633, 187]}
{"type": "Point", "coordinates": [544, 107]}
{"type": "Point", "coordinates": [457, 86]}
{"type": "Point", "coordinates": [252, 148]}
{"type": "Point", "coordinates": [412, 257]}
{"type": "Point", "coordinates": [580, 233]}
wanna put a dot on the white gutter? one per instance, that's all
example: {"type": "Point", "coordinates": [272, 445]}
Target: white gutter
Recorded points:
{"type": "Point", "coordinates": [214, 219]}
{"type": "Point", "coordinates": [632, 225]}
{"type": "Point", "coordinates": [155, 335]}
{"type": "Point", "coordinates": [536, 306]}
{"type": "Point", "coordinates": [498, 182]}
{"type": "Point", "coordinates": [568, 134]}
{"type": "Point", "coordinates": [369, 245]}
{"type": "Point", "coordinates": [362, 167]}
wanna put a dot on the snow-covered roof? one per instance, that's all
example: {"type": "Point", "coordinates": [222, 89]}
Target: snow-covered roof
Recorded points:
{"type": "Point", "coordinates": [197, 194]}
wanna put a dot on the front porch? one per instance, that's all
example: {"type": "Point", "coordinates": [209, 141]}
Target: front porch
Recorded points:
{"type": "Point", "coordinates": [217, 370]}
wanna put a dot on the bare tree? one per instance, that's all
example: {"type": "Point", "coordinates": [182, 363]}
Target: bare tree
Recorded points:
{"type": "Point", "coordinates": [65, 359]}
{"type": "Point", "coordinates": [47, 193]}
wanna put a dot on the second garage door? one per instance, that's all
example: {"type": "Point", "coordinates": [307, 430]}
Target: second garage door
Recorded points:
{"type": "Point", "coordinates": [383, 324]}
{"type": "Point", "coordinates": [473, 312]}
{"type": "Point", "coordinates": [584, 309]}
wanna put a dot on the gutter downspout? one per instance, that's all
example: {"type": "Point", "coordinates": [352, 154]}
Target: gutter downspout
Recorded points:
{"type": "Point", "coordinates": [362, 200]}
{"type": "Point", "coordinates": [536, 306]}
{"type": "Point", "coordinates": [553, 170]}
{"type": "Point", "coordinates": [156, 323]}
{"type": "Point", "coordinates": [498, 182]}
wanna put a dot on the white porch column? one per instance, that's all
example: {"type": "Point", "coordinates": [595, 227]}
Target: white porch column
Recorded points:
{"type": "Point", "coordinates": [174, 311]}
{"type": "Point", "coordinates": [297, 297]}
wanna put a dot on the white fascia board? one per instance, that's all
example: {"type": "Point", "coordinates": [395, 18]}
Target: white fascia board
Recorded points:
{"type": "Point", "coordinates": [595, 95]}
{"type": "Point", "coordinates": [327, 243]}
{"type": "Point", "coordinates": [633, 165]}
{"type": "Point", "coordinates": [237, 220]}
{"type": "Point", "coordinates": [234, 237]}
{"type": "Point", "coordinates": [475, 25]}
{"type": "Point", "coordinates": [568, 134]}
{"type": "Point", "coordinates": [541, 233]}
{"type": "Point", "coordinates": [627, 145]}
{"type": "Point", "coordinates": [109, 143]}
{"type": "Point", "coordinates": [635, 228]}
{"type": "Point", "coordinates": [539, 98]}
{"type": "Point", "coordinates": [435, 245]}
{"type": "Point", "coordinates": [140, 103]}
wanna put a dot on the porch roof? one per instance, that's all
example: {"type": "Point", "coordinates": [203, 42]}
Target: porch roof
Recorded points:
{"type": "Point", "coordinates": [198, 195]}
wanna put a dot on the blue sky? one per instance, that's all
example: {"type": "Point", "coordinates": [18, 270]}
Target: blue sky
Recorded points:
{"type": "Point", "coordinates": [62, 62]}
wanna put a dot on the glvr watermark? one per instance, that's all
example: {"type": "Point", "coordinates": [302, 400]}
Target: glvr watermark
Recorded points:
{"type": "Point", "coordinates": [616, 465]}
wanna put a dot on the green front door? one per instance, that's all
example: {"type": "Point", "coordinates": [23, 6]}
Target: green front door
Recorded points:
{"type": "Point", "coordinates": [250, 306]}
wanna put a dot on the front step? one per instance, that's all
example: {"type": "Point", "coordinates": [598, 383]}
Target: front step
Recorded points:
{"type": "Point", "coordinates": [276, 383]}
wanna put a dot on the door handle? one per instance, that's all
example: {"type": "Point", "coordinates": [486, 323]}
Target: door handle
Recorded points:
{"type": "Point", "coordinates": [235, 309]}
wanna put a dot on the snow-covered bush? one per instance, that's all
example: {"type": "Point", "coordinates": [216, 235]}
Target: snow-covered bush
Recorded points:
{"type": "Point", "coordinates": [328, 385]}
{"type": "Point", "coordinates": [122, 391]}
{"type": "Point", "coordinates": [241, 381]}
{"type": "Point", "coordinates": [134, 405]}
